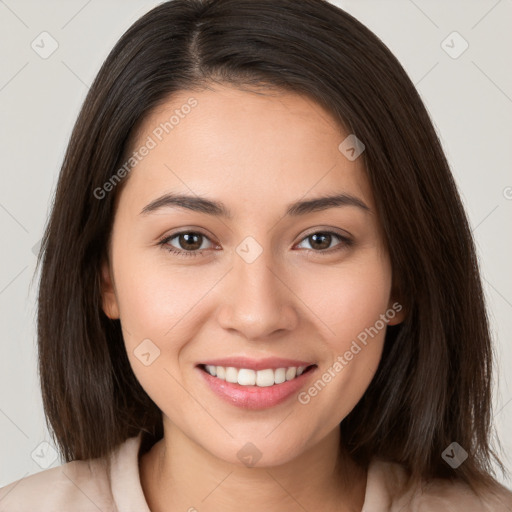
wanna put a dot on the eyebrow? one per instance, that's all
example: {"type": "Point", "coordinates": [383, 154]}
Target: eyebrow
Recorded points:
{"type": "Point", "coordinates": [218, 209]}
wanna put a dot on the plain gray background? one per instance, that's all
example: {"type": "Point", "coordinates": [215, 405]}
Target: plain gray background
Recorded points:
{"type": "Point", "coordinates": [468, 94]}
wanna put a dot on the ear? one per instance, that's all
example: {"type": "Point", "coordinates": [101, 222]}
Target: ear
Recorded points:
{"type": "Point", "coordinates": [396, 312]}
{"type": "Point", "coordinates": [109, 299]}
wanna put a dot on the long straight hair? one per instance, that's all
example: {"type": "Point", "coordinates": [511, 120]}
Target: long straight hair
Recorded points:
{"type": "Point", "coordinates": [433, 384]}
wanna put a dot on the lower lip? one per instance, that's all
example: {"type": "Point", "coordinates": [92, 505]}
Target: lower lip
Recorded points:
{"type": "Point", "coordinates": [255, 397]}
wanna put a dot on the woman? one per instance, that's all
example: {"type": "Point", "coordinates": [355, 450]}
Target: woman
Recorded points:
{"type": "Point", "coordinates": [259, 286]}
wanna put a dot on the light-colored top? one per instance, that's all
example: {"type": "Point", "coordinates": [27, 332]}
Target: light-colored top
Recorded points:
{"type": "Point", "coordinates": [86, 486]}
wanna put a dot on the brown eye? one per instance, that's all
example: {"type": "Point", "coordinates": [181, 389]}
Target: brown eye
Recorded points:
{"type": "Point", "coordinates": [189, 243]}
{"type": "Point", "coordinates": [321, 241]}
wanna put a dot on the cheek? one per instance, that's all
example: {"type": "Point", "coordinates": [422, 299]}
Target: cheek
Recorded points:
{"type": "Point", "coordinates": [161, 309]}
{"type": "Point", "coordinates": [152, 310]}
{"type": "Point", "coordinates": [153, 301]}
{"type": "Point", "coordinates": [350, 312]}
{"type": "Point", "coordinates": [348, 299]}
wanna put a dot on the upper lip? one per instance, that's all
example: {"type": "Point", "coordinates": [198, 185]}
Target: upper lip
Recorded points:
{"type": "Point", "coordinates": [256, 364]}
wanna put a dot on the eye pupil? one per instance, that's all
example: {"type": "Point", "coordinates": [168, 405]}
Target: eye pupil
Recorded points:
{"type": "Point", "coordinates": [187, 237]}
{"type": "Point", "coordinates": [323, 244]}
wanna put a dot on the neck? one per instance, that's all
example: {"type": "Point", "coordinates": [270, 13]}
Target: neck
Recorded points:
{"type": "Point", "coordinates": [178, 474]}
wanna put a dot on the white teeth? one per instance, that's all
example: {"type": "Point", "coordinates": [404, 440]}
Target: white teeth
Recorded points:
{"type": "Point", "coordinates": [231, 375]}
{"type": "Point", "coordinates": [280, 375]}
{"type": "Point", "coordinates": [212, 370]}
{"type": "Point", "coordinates": [265, 378]}
{"type": "Point", "coordinates": [261, 378]}
{"type": "Point", "coordinates": [246, 377]}
{"type": "Point", "coordinates": [291, 372]}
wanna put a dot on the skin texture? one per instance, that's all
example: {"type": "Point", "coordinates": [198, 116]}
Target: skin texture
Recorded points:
{"type": "Point", "coordinates": [257, 154]}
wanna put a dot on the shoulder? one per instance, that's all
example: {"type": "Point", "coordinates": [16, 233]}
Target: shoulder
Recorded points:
{"type": "Point", "coordinates": [458, 497]}
{"type": "Point", "coordinates": [388, 483]}
{"type": "Point", "coordinates": [75, 486]}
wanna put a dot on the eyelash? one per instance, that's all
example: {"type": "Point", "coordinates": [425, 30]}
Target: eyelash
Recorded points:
{"type": "Point", "coordinates": [345, 243]}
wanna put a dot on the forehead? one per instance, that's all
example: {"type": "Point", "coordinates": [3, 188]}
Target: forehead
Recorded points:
{"type": "Point", "coordinates": [272, 148]}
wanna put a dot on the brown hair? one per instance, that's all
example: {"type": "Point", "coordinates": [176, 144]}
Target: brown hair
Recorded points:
{"type": "Point", "coordinates": [433, 384]}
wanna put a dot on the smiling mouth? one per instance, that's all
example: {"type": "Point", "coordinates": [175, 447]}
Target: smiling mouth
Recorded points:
{"type": "Point", "coordinates": [260, 378]}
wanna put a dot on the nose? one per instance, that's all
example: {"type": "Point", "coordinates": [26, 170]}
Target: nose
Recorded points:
{"type": "Point", "coordinates": [257, 302]}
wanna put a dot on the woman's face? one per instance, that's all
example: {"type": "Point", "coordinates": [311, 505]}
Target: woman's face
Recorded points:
{"type": "Point", "coordinates": [310, 286]}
